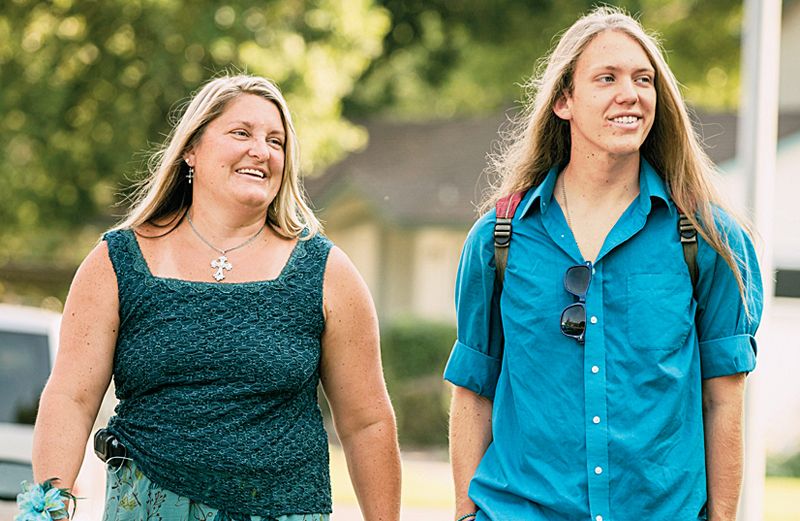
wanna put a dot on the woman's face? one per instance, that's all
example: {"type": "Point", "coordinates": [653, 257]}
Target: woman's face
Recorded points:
{"type": "Point", "coordinates": [240, 156]}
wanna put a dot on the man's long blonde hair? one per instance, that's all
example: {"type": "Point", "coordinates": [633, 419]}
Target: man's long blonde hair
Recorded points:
{"type": "Point", "coordinates": [538, 139]}
{"type": "Point", "coordinates": [166, 193]}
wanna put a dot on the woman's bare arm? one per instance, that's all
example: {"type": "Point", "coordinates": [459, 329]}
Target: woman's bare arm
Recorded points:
{"type": "Point", "coordinates": [352, 378]}
{"type": "Point", "coordinates": [82, 371]}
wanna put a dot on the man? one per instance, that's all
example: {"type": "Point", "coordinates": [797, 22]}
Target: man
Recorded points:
{"type": "Point", "coordinates": [597, 380]}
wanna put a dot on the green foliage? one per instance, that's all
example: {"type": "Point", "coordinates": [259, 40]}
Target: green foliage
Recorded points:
{"type": "Point", "coordinates": [786, 466]}
{"type": "Point", "coordinates": [415, 348]}
{"type": "Point", "coordinates": [88, 87]}
{"type": "Point", "coordinates": [421, 409]}
{"type": "Point", "coordinates": [445, 57]}
{"type": "Point", "coordinates": [414, 353]}
{"type": "Point", "coordinates": [703, 42]}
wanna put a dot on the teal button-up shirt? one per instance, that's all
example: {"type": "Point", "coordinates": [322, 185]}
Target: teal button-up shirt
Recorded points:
{"type": "Point", "coordinates": [612, 428]}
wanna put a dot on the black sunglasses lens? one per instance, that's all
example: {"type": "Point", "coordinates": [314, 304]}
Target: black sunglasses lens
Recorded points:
{"type": "Point", "coordinates": [573, 320]}
{"type": "Point", "coordinates": [577, 279]}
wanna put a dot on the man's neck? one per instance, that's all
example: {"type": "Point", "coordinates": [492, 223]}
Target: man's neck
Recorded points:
{"type": "Point", "coordinates": [602, 179]}
{"type": "Point", "coordinates": [593, 192]}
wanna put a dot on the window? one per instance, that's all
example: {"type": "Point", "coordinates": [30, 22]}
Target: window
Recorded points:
{"type": "Point", "coordinates": [24, 368]}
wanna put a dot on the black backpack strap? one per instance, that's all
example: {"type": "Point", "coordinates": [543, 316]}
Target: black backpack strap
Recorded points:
{"type": "Point", "coordinates": [688, 235]}
{"type": "Point", "coordinates": [505, 207]}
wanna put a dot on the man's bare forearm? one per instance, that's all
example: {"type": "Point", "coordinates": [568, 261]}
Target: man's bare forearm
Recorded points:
{"type": "Point", "coordinates": [723, 407]}
{"type": "Point", "coordinates": [470, 435]}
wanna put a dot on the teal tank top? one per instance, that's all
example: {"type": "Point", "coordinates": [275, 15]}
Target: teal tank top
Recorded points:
{"type": "Point", "coordinates": [217, 383]}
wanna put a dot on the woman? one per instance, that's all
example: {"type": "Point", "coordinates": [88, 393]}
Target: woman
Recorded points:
{"type": "Point", "coordinates": [218, 307]}
{"type": "Point", "coordinates": [602, 382]}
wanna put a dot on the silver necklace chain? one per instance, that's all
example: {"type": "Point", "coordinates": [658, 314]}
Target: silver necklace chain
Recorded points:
{"type": "Point", "coordinates": [221, 263]}
{"type": "Point", "coordinates": [223, 252]}
{"type": "Point", "coordinates": [564, 196]}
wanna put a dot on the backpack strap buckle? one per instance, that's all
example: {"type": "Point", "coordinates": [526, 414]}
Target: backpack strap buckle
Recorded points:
{"type": "Point", "coordinates": [505, 207]}
{"type": "Point", "coordinates": [686, 229]}
{"type": "Point", "coordinates": [688, 234]}
{"type": "Point", "coordinates": [502, 232]}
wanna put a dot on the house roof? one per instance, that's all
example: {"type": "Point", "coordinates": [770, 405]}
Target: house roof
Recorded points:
{"type": "Point", "coordinates": [415, 172]}
{"type": "Point", "coordinates": [431, 173]}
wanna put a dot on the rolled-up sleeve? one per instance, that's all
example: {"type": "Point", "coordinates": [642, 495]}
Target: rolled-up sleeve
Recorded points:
{"type": "Point", "coordinates": [475, 360]}
{"type": "Point", "coordinates": [725, 325]}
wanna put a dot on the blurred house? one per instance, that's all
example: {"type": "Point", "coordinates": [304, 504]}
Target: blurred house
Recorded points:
{"type": "Point", "coordinates": [789, 62]}
{"type": "Point", "coordinates": [401, 208]}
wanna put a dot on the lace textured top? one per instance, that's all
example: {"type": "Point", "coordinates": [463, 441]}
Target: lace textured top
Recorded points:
{"type": "Point", "coordinates": [217, 383]}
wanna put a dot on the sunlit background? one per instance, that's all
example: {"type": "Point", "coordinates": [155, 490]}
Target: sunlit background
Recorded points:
{"type": "Point", "coordinates": [397, 104]}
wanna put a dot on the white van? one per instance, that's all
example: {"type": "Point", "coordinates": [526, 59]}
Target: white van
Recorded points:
{"type": "Point", "coordinates": [28, 343]}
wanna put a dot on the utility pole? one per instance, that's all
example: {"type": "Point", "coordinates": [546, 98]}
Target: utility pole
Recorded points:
{"type": "Point", "coordinates": [757, 150]}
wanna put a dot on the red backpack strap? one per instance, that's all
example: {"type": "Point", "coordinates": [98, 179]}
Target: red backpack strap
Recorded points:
{"type": "Point", "coordinates": [505, 208]}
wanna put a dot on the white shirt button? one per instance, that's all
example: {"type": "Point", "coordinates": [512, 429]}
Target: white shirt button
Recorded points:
{"type": "Point", "coordinates": [598, 518]}
{"type": "Point", "coordinates": [593, 320]}
{"type": "Point", "coordinates": [596, 419]}
{"type": "Point", "coordinates": [598, 470]}
{"type": "Point", "coordinates": [593, 271]}
{"type": "Point", "coordinates": [595, 369]}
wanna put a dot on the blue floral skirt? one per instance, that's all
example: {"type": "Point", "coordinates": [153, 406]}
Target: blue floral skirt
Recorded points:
{"type": "Point", "coordinates": [131, 496]}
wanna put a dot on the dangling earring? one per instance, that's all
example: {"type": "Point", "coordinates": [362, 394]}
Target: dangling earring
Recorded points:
{"type": "Point", "coordinates": [190, 175]}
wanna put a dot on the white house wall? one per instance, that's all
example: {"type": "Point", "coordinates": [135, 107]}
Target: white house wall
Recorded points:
{"type": "Point", "coordinates": [360, 243]}
{"type": "Point", "coordinates": [790, 63]}
{"type": "Point", "coordinates": [786, 234]}
{"type": "Point", "coordinates": [787, 210]}
{"type": "Point", "coordinates": [436, 256]}
{"type": "Point", "coordinates": [397, 292]}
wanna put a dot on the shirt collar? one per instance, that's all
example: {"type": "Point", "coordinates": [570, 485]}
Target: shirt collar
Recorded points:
{"type": "Point", "coordinates": [650, 185]}
{"type": "Point", "coordinates": [542, 194]}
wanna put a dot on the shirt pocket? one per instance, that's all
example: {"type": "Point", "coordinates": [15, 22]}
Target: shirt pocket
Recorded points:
{"type": "Point", "coordinates": [659, 310]}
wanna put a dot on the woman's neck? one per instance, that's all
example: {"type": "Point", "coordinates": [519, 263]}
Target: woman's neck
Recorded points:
{"type": "Point", "coordinates": [222, 226]}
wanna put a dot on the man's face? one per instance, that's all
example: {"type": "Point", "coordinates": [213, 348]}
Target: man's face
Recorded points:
{"type": "Point", "coordinates": [613, 100]}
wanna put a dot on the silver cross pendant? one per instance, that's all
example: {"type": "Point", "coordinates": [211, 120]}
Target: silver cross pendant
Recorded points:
{"type": "Point", "coordinates": [221, 264]}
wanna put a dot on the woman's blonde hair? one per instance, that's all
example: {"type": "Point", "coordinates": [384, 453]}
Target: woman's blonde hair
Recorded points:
{"type": "Point", "coordinates": [538, 139]}
{"type": "Point", "coordinates": [167, 193]}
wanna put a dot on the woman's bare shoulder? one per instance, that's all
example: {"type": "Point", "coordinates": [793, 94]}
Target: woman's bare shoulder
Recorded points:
{"type": "Point", "coordinates": [96, 265]}
{"type": "Point", "coordinates": [94, 286]}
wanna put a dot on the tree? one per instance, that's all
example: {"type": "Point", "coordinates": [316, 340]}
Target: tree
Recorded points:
{"type": "Point", "coordinates": [445, 57]}
{"type": "Point", "coordinates": [88, 87]}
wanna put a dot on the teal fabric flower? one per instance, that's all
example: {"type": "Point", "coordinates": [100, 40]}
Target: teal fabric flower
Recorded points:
{"type": "Point", "coordinates": [41, 502]}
